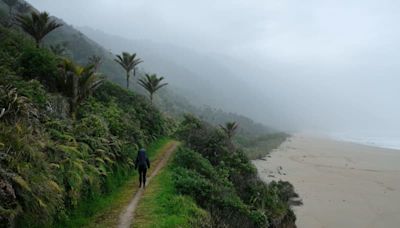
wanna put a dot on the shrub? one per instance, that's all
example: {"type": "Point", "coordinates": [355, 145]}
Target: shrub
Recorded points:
{"type": "Point", "coordinates": [39, 64]}
{"type": "Point", "coordinates": [195, 176]}
{"type": "Point", "coordinates": [223, 181]}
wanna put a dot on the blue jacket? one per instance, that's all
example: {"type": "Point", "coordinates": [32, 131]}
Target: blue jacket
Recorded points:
{"type": "Point", "coordinates": [142, 159]}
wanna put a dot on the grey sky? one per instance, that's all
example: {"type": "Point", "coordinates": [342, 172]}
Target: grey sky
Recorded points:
{"type": "Point", "coordinates": [338, 58]}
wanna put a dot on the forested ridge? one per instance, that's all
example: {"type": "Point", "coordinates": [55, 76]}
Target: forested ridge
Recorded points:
{"type": "Point", "coordinates": [69, 135]}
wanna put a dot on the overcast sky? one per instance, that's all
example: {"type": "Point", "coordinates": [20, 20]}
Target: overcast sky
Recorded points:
{"type": "Point", "coordinates": [340, 58]}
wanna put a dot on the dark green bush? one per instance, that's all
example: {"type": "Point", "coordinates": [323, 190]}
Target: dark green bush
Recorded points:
{"type": "Point", "coordinates": [195, 176]}
{"type": "Point", "coordinates": [39, 64]}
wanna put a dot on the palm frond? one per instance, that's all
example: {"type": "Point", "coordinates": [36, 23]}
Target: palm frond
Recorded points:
{"type": "Point", "coordinates": [151, 83]}
{"type": "Point", "coordinates": [128, 62]}
{"type": "Point", "coordinates": [38, 25]}
{"type": "Point", "coordinates": [87, 81]}
{"type": "Point", "coordinates": [230, 128]}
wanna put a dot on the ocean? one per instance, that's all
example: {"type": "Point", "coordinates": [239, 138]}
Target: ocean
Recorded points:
{"type": "Point", "coordinates": [377, 141]}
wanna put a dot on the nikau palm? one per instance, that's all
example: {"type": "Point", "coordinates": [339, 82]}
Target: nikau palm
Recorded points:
{"type": "Point", "coordinates": [38, 25]}
{"type": "Point", "coordinates": [58, 49]}
{"type": "Point", "coordinates": [78, 83]}
{"type": "Point", "coordinates": [129, 63]}
{"type": "Point", "coordinates": [152, 83]}
{"type": "Point", "coordinates": [96, 61]}
{"type": "Point", "coordinates": [230, 129]}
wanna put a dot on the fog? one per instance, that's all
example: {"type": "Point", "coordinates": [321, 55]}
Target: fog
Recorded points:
{"type": "Point", "coordinates": [311, 65]}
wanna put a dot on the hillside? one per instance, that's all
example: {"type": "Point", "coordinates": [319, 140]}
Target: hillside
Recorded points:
{"type": "Point", "coordinates": [69, 136]}
{"type": "Point", "coordinates": [190, 72]}
{"type": "Point", "coordinates": [186, 92]}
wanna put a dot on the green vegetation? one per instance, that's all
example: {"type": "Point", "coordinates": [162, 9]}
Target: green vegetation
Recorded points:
{"type": "Point", "coordinates": [224, 182]}
{"type": "Point", "coordinates": [68, 139]}
{"type": "Point", "coordinates": [77, 83]}
{"type": "Point", "coordinates": [162, 206]}
{"type": "Point", "coordinates": [260, 146]}
{"type": "Point", "coordinates": [50, 163]}
{"type": "Point", "coordinates": [104, 211]}
{"type": "Point", "coordinates": [152, 84]}
{"type": "Point", "coordinates": [230, 129]}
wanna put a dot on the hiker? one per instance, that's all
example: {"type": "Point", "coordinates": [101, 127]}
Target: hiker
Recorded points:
{"type": "Point", "coordinates": [142, 163]}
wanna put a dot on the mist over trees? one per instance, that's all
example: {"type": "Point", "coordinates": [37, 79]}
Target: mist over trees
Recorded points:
{"type": "Point", "coordinates": [302, 69]}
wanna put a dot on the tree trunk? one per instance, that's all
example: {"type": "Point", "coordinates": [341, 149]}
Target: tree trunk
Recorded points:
{"type": "Point", "coordinates": [127, 80]}
{"type": "Point", "coordinates": [151, 98]}
{"type": "Point", "coordinates": [74, 99]}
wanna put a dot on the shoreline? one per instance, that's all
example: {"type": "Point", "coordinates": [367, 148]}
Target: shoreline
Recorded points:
{"type": "Point", "coordinates": [342, 184]}
{"type": "Point", "coordinates": [368, 143]}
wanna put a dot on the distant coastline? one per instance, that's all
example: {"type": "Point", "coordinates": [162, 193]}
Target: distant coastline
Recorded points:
{"type": "Point", "coordinates": [381, 142]}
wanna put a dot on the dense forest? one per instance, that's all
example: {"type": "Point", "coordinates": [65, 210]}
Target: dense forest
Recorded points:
{"type": "Point", "coordinates": [69, 132]}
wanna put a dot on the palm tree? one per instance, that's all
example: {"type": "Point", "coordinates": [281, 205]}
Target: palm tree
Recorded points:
{"type": "Point", "coordinates": [38, 25]}
{"type": "Point", "coordinates": [230, 129]}
{"type": "Point", "coordinates": [152, 83]}
{"type": "Point", "coordinates": [129, 63]}
{"type": "Point", "coordinates": [58, 49]}
{"type": "Point", "coordinates": [95, 60]}
{"type": "Point", "coordinates": [78, 83]}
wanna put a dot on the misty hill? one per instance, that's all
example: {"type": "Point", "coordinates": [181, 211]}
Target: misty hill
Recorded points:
{"type": "Point", "coordinates": [188, 91]}
{"type": "Point", "coordinates": [197, 76]}
{"type": "Point", "coordinates": [203, 78]}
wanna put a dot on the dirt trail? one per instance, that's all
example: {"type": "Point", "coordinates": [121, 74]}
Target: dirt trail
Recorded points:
{"type": "Point", "coordinates": [126, 218]}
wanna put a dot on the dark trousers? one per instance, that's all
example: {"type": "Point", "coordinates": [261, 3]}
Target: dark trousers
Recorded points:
{"type": "Point", "coordinates": [142, 174]}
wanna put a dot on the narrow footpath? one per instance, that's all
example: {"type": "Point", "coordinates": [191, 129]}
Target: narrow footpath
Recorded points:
{"type": "Point", "coordinates": [126, 218]}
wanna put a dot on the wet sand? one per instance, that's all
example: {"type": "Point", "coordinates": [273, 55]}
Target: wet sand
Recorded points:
{"type": "Point", "coordinates": [341, 184]}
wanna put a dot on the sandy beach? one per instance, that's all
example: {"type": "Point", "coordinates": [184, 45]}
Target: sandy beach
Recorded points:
{"type": "Point", "coordinates": [341, 184]}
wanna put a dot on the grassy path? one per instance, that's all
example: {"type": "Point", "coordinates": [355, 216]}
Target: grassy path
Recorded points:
{"type": "Point", "coordinates": [127, 217]}
{"type": "Point", "coordinates": [105, 211]}
{"type": "Point", "coordinates": [162, 207]}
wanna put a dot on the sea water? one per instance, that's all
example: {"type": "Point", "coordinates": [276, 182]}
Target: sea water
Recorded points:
{"type": "Point", "coordinates": [389, 142]}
